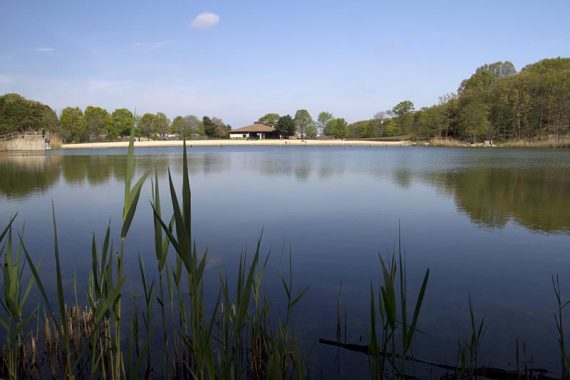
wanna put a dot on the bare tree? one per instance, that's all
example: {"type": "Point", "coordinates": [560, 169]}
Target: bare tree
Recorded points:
{"type": "Point", "coordinates": [379, 117]}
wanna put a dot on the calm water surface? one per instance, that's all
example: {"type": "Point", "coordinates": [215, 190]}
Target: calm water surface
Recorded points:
{"type": "Point", "coordinates": [491, 224]}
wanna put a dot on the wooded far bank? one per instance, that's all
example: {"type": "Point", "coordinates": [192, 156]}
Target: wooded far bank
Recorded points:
{"type": "Point", "coordinates": [495, 103]}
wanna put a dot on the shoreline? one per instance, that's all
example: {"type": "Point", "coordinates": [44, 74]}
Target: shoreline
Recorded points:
{"type": "Point", "coordinates": [221, 143]}
{"type": "Point", "coordinates": [311, 143]}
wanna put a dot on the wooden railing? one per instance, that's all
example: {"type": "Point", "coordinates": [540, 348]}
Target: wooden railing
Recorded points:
{"type": "Point", "coordinates": [15, 135]}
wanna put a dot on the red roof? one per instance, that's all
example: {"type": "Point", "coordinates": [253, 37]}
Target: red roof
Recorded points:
{"type": "Point", "coordinates": [254, 128]}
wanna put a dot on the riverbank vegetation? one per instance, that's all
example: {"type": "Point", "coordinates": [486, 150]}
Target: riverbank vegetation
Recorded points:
{"type": "Point", "coordinates": [526, 108]}
{"type": "Point", "coordinates": [170, 330]}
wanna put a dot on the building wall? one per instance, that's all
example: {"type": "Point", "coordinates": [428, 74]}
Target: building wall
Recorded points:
{"type": "Point", "coordinates": [239, 135]}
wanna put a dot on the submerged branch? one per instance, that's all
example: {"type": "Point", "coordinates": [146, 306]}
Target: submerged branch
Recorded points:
{"type": "Point", "coordinates": [488, 372]}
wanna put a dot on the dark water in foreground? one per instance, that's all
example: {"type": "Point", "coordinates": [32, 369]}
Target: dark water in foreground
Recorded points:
{"type": "Point", "coordinates": [492, 224]}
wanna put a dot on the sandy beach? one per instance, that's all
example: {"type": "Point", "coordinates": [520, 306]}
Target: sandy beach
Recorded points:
{"type": "Point", "coordinates": [221, 143]}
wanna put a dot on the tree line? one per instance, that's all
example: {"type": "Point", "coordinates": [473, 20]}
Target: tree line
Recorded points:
{"type": "Point", "coordinates": [18, 114]}
{"type": "Point", "coordinates": [495, 103]}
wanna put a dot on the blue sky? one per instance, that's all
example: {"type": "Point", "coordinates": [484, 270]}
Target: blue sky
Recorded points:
{"type": "Point", "coordinates": [351, 58]}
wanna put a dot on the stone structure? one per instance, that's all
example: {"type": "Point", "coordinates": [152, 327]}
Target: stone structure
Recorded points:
{"type": "Point", "coordinates": [25, 141]}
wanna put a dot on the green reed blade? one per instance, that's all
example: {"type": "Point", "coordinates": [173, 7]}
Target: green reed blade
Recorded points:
{"type": "Point", "coordinates": [27, 291]}
{"type": "Point", "coordinates": [40, 285]}
{"type": "Point", "coordinates": [286, 287]}
{"type": "Point", "coordinates": [299, 297]}
{"type": "Point", "coordinates": [244, 304]}
{"type": "Point", "coordinates": [94, 263]}
{"type": "Point", "coordinates": [403, 299]}
{"type": "Point", "coordinates": [213, 318]}
{"type": "Point", "coordinates": [4, 322]}
{"type": "Point", "coordinates": [168, 231]}
{"type": "Point", "coordinates": [8, 226]}
{"type": "Point", "coordinates": [107, 303]}
{"type": "Point", "coordinates": [183, 241]}
{"type": "Point", "coordinates": [186, 194]}
{"type": "Point", "coordinates": [419, 301]}
{"type": "Point", "coordinates": [160, 244]}
{"type": "Point", "coordinates": [106, 242]}
{"type": "Point", "coordinates": [130, 163]}
{"type": "Point", "coordinates": [131, 205]}
{"type": "Point", "coordinates": [202, 265]}
{"type": "Point", "coordinates": [59, 276]}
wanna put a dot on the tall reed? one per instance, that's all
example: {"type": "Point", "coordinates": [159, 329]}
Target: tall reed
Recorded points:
{"type": "Point", "coordinates": [558, 319]}
{"type": "Point", "coordinates": [469, 347]}
{"type": "Point", "coordinates": [392, 332]}
{"type": "Point", "coordinates": [14, 297]}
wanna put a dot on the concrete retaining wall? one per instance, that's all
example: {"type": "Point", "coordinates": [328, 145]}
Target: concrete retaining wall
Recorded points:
{"type": "Point", "coordinates": [24, 143]}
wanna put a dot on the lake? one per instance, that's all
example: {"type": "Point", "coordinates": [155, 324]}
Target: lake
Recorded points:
{"type": "Point", "coordinates": [491, 224]}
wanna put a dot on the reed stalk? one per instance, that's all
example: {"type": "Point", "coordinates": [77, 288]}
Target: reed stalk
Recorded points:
{"type": "Point", "coordinates": [15, 294]}
{"type": "Point", "coordinates": [469, 348]}
{"type": "Point", "coordinates": [558, 319]}
{"type": "Point", "coordinates": [391, 335]}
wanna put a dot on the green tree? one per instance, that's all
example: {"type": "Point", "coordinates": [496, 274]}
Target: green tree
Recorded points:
{"type": "Point", "coordinates": [429, 122]}
{"type": "Point", "coordinates": [403, 108]}
{"type": "Point", "coordinates": [337, 128]}
{"type": "Point", "coordinates": [223, 130]}
{"type": "Point", "coordinates": [479, 84]}
{"type": "Point", "coordinates": [499, 69]}
{"type": "Point", "coordinates": [475, 122]}
{"type": "Point", "coordinates": [210, 128]}
{"type": "Point", "coordinates": [194, 124]}
{"type": "Point", "coordinates": [303, 121]}
{"type": "Point", "coordinates": [18, 114]}
{"type": "Point", "coordinates": [391, 128]}
{"type": "Point", "coordinates": [311, 132]}
{"type": "Point", "coordinates": [161, 124]}
{"type": "Point", "coordinates": [46, 116]}
{"type": "Point", "coordinates": [72, 122]}
{"type": "Point", "coordinates": [362, 129]}
{"type": "Point", "coordinates": [121, 122]}
{"type": "Point", "coordinates": [286, 126]}
{"type": "Point", "coordinates": [270, 119]}
{"type": "Point", "coordinates": [146, 125]}
{"type": "Point", "coordinates": [96, 120]}
{"type": "Point", "coordinates": [450, 103]}
{"type": "Point", "coordinates": [181, 127]}
{"type": "Point", "coordinates": [322, 121]}
{"type": "Point", "coordinates": [403, 115]}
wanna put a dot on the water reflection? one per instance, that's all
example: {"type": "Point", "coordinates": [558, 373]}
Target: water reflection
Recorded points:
{"type": "Point", "coordinates": [330, 169]}
{"type": "Point", "coordinates": [278, 167]}
{"type": "Point", "coordinates": [93, 169]}
{"type": "Point", "coordinates": [302, 168]}
{"type": "Point", "coordinates": [198, 164]}
{"type": "Point", "coordinates": [538, 199]}
{"type": "Point", "coordinates": [402, 177]}
{"type": "Point", "coordinates": [491, 189]}
{"type": "Point", "coordinates": [24, 174]}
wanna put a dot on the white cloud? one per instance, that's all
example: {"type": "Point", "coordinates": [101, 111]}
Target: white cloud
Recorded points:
{"type": "Point", "coordinates": [43, 49]}
{"type": "Point", "coordinates": [206, 20]}
{"type": "Point", "coordinates": [150, 46]}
